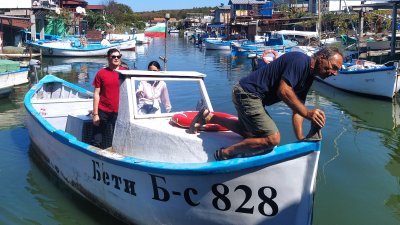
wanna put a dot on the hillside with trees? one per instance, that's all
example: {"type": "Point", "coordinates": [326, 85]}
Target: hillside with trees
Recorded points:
{"type": "Point", "coordinates": [122, 18]}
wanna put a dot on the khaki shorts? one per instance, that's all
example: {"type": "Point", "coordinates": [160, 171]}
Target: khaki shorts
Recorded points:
{"type": "Point", "coordinates": [252, 114]}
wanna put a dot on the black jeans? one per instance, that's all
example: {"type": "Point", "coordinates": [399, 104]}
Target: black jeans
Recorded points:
{"type": "Point", "coordinates": [106, 128]}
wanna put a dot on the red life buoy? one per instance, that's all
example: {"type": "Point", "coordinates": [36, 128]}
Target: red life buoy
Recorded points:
{"type": "Point", "coordinates": [184, 120]}
{"type": "Point", "coordinates": [266, 58]}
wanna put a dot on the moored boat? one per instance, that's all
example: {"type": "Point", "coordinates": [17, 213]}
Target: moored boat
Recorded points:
{"type": "Point", "coordinates": [367, 78]}
{"type": "Point", "coordinates": [274, 41]}
{"type": "Point", "coordinates": [69, 49]}
{"type": "Point", "coordinates": [215, 44]}
{"type": "Point", "coordinates": [155, 169]}
{"type": "Point", "coordinates": [121, 44]}
{"type": "Point", "coordinates": [11, 75]}
{"type": "Point", "coordinates": [142, 39]}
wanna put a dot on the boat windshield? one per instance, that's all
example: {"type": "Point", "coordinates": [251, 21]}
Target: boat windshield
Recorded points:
{"type": "Point", "coordinates": [160, 97]}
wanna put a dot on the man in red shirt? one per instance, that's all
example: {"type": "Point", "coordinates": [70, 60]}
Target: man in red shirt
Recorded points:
{"type": "Point", "coordinates": [106, 97]}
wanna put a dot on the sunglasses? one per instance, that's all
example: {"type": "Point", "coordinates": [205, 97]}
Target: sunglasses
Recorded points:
{"type": "Point", "coordinates": [116, 56]}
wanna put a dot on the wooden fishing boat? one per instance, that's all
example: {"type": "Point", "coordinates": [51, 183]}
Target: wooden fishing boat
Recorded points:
{"type": "Point", "coordinates": [367, 78]}
{"type": "Point", "coordinates": [69, 49]}
{"type": "Point", "coordinates": [156, 172]}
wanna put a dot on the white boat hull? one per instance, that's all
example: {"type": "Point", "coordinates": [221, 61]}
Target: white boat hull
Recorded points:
{"type": "Point", "coordinates": [275, 188]}
{"type": "Point", "coordinates": [216, 45]}
{"type": "Point", "coordinates": [375, 82]}
{"type": "Point", "coordinates": [10, 79]}
{"type": "Point", "coordinates": [127, 45]}
{"type": "Point", "coordinates": [65, 49]}
{"type": "Point", "coordinates": [74, 52]}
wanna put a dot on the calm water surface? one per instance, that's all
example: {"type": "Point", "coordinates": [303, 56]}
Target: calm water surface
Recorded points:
{"type": "Point", "coordinates": [359, 167]}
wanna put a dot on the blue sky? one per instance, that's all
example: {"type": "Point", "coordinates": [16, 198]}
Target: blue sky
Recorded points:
{"type": "Point", "coordinates": [149, 5]}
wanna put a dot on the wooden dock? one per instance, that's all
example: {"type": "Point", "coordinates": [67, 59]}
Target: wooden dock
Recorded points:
{"type": "Point", "coordinates": [19, 55]}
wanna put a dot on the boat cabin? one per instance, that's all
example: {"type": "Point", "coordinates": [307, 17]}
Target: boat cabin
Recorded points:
{"type": "Point", "coordinates": [154, 136]}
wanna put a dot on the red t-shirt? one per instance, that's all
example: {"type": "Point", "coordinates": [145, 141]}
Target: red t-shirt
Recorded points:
{"type": "Point", "coordinates": [108, 82]}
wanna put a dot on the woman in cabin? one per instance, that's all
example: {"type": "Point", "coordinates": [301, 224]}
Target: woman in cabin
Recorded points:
{"type": "Point", "coordinates": [151, 94]}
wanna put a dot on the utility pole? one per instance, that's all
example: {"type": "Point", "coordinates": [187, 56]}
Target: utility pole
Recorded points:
{"type": "Point", "coordinates": [319, 22]}
{"type": "Point", "coordinates": [394, 28]}
{"type": "Point", "coordinates": [164, 59]}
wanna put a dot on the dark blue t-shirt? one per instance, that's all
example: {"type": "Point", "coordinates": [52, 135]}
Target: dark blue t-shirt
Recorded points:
{"type": "Point", "coordinates": [293, 67]}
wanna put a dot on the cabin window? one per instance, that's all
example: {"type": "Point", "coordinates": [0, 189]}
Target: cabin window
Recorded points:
{"type": "Point", "coordinates": [167, 96]}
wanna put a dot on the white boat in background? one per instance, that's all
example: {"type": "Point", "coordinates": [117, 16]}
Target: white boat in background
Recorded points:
{"type": "Point", "coordinates": [13, 78]}
{"type": "Point", "coordinates": [11, 75]}
{"type": "Point", "coordinates": [126, 41]}
{"type": "Point", "coordinates": [308, 50]}
{"type": "Point", "coordinates": [142, 39]}
{"type": "Point", "coordinates": [126, 45]}
{"type": "Point", "coordinates": [173, 31]}
{"type": "Point", "coordinates": [367, 78]}
{"type": "Point", "coordinates": [68, 49]}
{"type": "Point", "coordinates": [193, 31]}
{"type": "Point", "coordinates": [217, 44]}
{"type": "Point", "coordinates": [157, 173]}
{"type": "Point", "coordinates": [120, 37]}
{"type": "Point", "coordinates": [293, 35]}
{"type": "Point", "coordinates": [298, 34]}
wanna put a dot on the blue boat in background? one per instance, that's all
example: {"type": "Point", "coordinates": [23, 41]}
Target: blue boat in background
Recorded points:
{"type": "Point", "coordinates": [272, 41]}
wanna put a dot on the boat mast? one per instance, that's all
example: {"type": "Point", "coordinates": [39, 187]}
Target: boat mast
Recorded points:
{"type": "Point", "coordinates": [394, 28]}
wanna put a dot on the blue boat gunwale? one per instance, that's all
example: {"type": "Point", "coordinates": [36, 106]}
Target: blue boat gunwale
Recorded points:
{"type": "Point", "coordinates": [279, 154]}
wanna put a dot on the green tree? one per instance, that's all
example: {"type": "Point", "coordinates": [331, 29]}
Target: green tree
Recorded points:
{"type": "Point", "coordinates": [95, 20]}
{"type": "Point", "coordinates": [58, 24]}
{"type": "Point", "coordinates": [120, 16]}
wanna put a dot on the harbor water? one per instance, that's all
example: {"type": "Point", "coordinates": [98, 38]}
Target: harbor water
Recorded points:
{"type": "Point", "coordinates": [358, 178]}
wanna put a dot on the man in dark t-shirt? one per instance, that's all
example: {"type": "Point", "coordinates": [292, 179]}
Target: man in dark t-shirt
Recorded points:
{"type": "Point", "coordinates": [287, 79]}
